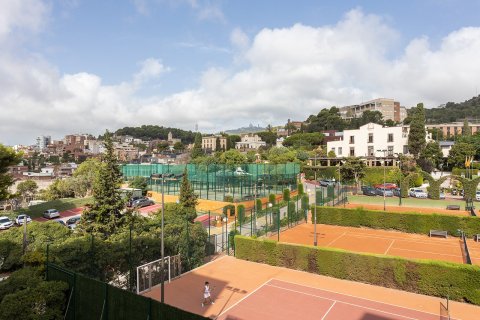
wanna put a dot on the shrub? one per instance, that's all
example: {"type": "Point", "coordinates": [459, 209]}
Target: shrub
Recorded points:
{"type": "Point", "coordinates": [272, 198]}
{"type": "Point", "coordinates": [286, 194]}
{"type": "Point", "coordinates": [258, 204]}
{"type": "Point", "coordinates": [406, 222]}
{"type": "Point", "coordinates": [228, 198]}
{"type": "Point", "coordinates": [419, 276]}
{"type": "Point", "coordinates": [300, 189]}
{"type": "Point", "coordinates": [241, 213]}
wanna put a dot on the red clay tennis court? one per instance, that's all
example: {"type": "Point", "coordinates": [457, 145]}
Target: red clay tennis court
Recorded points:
{"type": "Point", "coordinates": [393, 243]}
{"type": "Point", "coordinates": [280, 300]}
{"type": "Point", "coordinates": [247, 290]}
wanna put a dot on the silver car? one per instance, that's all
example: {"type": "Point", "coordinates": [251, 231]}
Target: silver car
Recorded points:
{"type": "Point", "coordinates": [51, 213]}
{"type": "Point", "coordinates": [5, 223]}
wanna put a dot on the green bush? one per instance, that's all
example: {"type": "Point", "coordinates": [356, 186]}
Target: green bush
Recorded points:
{"type": "Point", "coordinates": [434, 278]}
{"type": "Point", "coordinates": [272, 198]}
{"type": "Point", "coordinates": [460, 172]}
{"type": "Point", "coordinates": [300, 189]}
{"type": "Point", "coordinates": [228, 198]}
{"type": "Point", "coordinates": [259, 204]}
{"type": "Point", "coordinates": [286, 194]}
{"type": "Point", "coordinates": [406, 222]}
{"type": "Point", "coordinates": [241, 213]}
{"type": "Point", "coordinates": [322, 172]}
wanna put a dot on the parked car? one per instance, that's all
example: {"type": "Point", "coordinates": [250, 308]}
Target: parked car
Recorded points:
{"type": "Point", "coordinates": [327, 182]}
{"type": "Point", "coordinates": [387, 185]}
{"type": "Point", "coordinates": [72, 222]}
{"type": "Point", "coordinates": [131, 200]}
{"type": "Point", "coordinates": [140, 203]}
{"type": "Point", "coordinates": [477, 196]}
{"type": "Point", "coordinates": [417, 193]}
{"type": "Point", "coordinates": [397, 192]}
{"type": "Point", "coordinates": [441, 196]}
{"type": "Point", "coordinates": [61, 222]}
{"type": "Point", "coordinates": [369, 191]}
{"type": "Point", "coordinates": [5, 223]}
{"type": "Point", "coordinates": [51, 213]}
{"type": "Point", "coordinates": [384, 191]}
{"type": "Point", "coordinates": [20, 219]}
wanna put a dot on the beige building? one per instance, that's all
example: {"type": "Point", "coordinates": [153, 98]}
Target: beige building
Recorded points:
{"type": "Point", "coordinates": [209, 143]}
{"type": "Point", "coordinates": [389, 108]}
{"type": "Point", "coordinates": [250, 142]}
{"type": "Point", "coordinates": [453, 129]}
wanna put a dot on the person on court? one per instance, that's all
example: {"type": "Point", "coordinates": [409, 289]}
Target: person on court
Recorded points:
{"type": "Point", "coordinates": [206, 294]}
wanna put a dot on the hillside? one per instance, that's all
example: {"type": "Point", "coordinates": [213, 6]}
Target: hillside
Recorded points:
{"type": "Point", "coordinates": [150, 132]}
{"type": "Point", "coordinates": [452, 111]}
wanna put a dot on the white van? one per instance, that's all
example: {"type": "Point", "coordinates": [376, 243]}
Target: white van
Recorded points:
{"type": "Point", "coordinates": [51, 213]}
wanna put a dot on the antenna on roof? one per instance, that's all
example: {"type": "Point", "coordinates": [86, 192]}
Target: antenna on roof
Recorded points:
{"type": "Point", "coordinates": [196, 127]}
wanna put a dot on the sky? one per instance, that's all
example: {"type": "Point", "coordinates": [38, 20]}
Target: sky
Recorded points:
{"type": "Point", "coordinates": [84, 66]}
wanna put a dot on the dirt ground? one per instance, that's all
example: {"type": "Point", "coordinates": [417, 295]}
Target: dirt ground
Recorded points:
{"type": "Point", "coordinates": [407, 209]}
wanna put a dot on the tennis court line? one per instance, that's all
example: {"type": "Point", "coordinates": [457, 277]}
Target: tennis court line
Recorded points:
{"type": "Point", "coordinates": [348, 303]}
{"type": "Point", "coordinates": [367, 299]}
{"type": "Point", "coordinates": [328, 311]}
{"type": "Point", "coordinates": [386, 251]}
{"type": "Point", "coordinates": [245, 297]}
{"type": "Point", "coordinates": [336, 239]}
{"type": "Point", "coordinates": [361, 235]}
{"type": "Point", "coordinates": [439, 254]}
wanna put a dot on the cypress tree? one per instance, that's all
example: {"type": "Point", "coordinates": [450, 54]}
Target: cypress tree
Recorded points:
{"type": "Point", "coordinates": [466, 131]}
{"type": "Point", "coordinates": [188, 199]}
{"type": "Point", "coordinates": [197, 147]}
{"type": "Point", "coordinates": [416, 136]}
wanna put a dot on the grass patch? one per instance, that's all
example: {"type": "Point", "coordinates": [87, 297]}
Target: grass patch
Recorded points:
{"type": "Point", "coordinates": [60, 204]}
{"type": "Point", "coordinates": [406, 202]}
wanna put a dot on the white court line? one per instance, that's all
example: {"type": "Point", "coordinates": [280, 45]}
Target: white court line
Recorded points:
{"type": "Point", "coordinates": [386, 251]}
{"type": "Point", "coordinates": [438, 254]}
{"type": "Point", "coordinates": [328, 310]}
{"type": "Point", "coordinates": [351, 304]}
{"type": "Point", "coordinates": [245, 297]}
{"type": "Point", "coordinates": [336, 239]}
{"type": "Point", "coordinates": [361, 235]}
{"type": "Point", "coordinates": [349, 295]}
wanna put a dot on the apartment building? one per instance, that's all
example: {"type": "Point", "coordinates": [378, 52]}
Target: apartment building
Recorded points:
{"type": "Point", "coordinates": [250, 142]}
{"type": "Point", "coordinates": [209, 143]}
{"type": "Point", "coordinates": [365, 141]}
{"type": "Point", "coordinates": [389, 108]}
{"type": "Point", "coordinates": [453, 129]}
{"type": "Point", "coordinates": [43, 142]}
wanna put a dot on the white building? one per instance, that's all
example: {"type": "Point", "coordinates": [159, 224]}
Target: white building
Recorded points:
{"type": "Point", "coordinates": [250, 141]}
{"type": "Point", "coordinates": [365, 141]}
{"type": "Point", "coordinates": [43, 142]}
{"type": "Point", "coordinates": [446, 146]}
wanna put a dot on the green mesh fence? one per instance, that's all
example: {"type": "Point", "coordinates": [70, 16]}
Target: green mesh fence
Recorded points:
{"type": "Point", "coordinates": [216, 181]}
{"type": "Point", "coordinates": [92, 299]}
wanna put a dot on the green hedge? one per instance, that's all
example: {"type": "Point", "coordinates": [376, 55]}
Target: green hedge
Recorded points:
{"type": "Point", "coordinates": [406, 222]}
{"type": "Point", "coordinates": [424, 277]}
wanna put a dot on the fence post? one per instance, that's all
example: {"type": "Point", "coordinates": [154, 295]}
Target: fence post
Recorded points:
{"type": "Point", "coordinates": [46, 262]}
{"type": "Point", "coordinates": [130, 258]}
{"type": "Point", "coordinates": [74, 295]}
{"type": "Point", "coordinates": [209, 223]}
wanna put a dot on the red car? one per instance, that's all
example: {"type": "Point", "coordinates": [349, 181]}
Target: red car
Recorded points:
{"type": "Point", "coordinates": [388, 186]}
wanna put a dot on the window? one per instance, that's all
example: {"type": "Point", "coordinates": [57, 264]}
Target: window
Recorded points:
{"type": "Point", "coordinates": [370, 138]}
{"type": "Point", "coordinates": [370, 151]}
{"type": "Point", "coordinates": [405, 149]}
{"type": "Point", "coordinates": [352, 139]}
{"type": "Point", "coordinates": [390, 137]}
{"type": "Point", "coordinates": [339, 151]}
{"type": "Point", "coordinates": [352, 152]}
{"type": "Point", "coordinates": [333, 149]}
{"type": "Point", "coordinates": [390, 150]}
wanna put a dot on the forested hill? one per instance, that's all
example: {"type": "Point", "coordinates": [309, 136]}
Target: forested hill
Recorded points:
{"type": "Point", "coordinates": [150, 132]}
{"type": "Point", "coordinates": [454, 111]}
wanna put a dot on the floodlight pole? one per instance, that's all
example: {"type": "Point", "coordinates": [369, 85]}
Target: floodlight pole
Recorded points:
{"type": "Point", "coordinates": [384, 172]}
{"type": "Point", "coordinates": [315, 216]}
{"type": "Point", "coordinates": [162, 292]}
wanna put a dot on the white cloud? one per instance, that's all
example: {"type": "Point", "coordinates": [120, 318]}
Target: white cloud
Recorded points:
{"type": "Point", "coordinates": [26, 15]}
{"type": "Point", "coordinates": [287, 73]}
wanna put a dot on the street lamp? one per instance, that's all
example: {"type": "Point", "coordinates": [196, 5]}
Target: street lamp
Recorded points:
{"type": "Point", "coordinates": [384, 173]}
{"type": "Point", "coordinates": [399, 155]}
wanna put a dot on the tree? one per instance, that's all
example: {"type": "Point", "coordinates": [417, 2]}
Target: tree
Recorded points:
{"type": "Point", "coordinates": [331, 154]}
{"type": "Point", "coordinates": [27, 189]}
{"type": "Point", "coordinates": [188, 199]}
{"type": "Point", "coordinates": [139, 183]}
{"type": "Point", "coordinates": [232, 157]}
{"type": "Point", "coordinates": [308, 140]}
{"type": "Point", "coordinates": [459, 152]}
{"type": "Point", "coordinates": [432, 153]}
{"type": "Point", "coordinates": [231, 140]}
{"type": "Point", "coordinates": [326, 119]}
{"type": "Point", "coordinates": [106, 215]}
{"type": "Point", "coordinates": [390, 123]}
{"type": "Point", "coordinates": [416, 136]}
{"type": "Point", "coordinates": [269, 137]}
{"type": "Point", "coordinates": [84, 177]}
{"type": "Point", "coordinates": [217, 144]}
{"type": "Point", "coordinates": [197, 147]}
{"type": "Point", "coordinates": [162, 146]}
{"type": "Point", "coordinates": [8, 157]}
{"type": "Point", "coordinates": [466, 130]}
{"type": "Point", "coordinates": [178, 146]}
{"type": "Point", "coordinates": [353, 170]}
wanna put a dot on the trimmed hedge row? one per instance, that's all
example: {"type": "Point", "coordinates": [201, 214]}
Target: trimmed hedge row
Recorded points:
{"type": "Point", "coordinates": [424, 277]}
{"type": "Point", "coordinates": [406, 222]}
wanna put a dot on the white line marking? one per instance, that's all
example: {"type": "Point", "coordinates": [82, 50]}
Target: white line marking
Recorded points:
{"type": "Point", "coordinates": [329, 309]}
{"type": "Point", "coordinates": [435, 253]}
{"type": "Point", "coordinates": [245, 297]}
{"type": "Point", "coordinates": [351, 304]}
{"type": "Point", "coordinates": [336, 239]}
{"type": "Point", "coordinates": [349, 295]}
{"type": "Point", "coordinates": [386, 251]}
{"type": "Point", "coordinates": [360, 235]}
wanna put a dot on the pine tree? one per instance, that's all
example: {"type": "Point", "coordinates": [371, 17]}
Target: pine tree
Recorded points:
{"type": "Point", "coordinates": [197, 147]}
{"type": "Point", "coordinates": [188, 199]}
{"type": "Point", "coordinates": [416, 136]}
{"type": "Point", "coordinates": [105, 215]}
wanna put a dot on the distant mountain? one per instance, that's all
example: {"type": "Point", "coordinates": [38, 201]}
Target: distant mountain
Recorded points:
{"type": "Point", "coordinates": [250, 129]}
{"type": "Point", "coordinates": [451, 112]}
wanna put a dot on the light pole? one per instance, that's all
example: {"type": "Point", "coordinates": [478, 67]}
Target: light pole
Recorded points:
{"type": "Point", "coordinates": [162, 297]}
{"type": "Point", "coordinates": [384, 173]}
{"type": "Point", "coordinates": [315, 219]}
{"type": "Point", "coordinates": [399, 155]}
